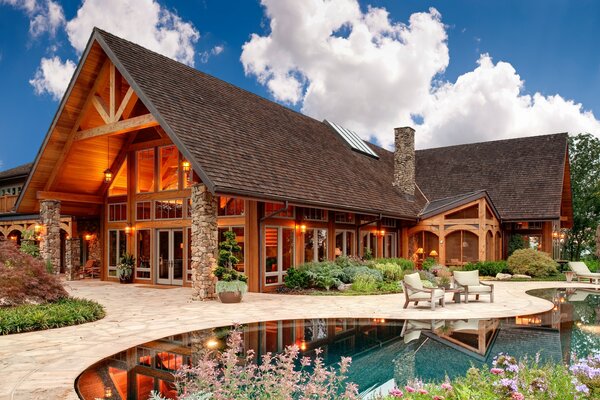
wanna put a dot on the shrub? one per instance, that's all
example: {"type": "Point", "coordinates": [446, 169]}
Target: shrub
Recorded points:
{"type": "Point", "coordinates": [28, 245]}
{"type": "Point", "coordinates": [227, 375]}
{"type": "Point", "coordinates": [296, 279]}
{"type": "Point", "coordinates": [532, 262]}
{"type": "Point", "coordinates": [391, 272]}
{"type": "Point", "coordinates": [593, 265]}
{"type": "Point", "coordinates": [24, 279]}
{"type": "Point", "coordinates": [487, 268]}
{"type": "Point", "coordinates": [364, 283]}
{"type": "Point", "coordinates": [429, 263]}
{"type": "Point", "coordinates": [349, 273]}
{"type": "Point", "coordinates": [64, 312]}
{"type": "Point", "coordinates": [402, 262]}
{"type": "Point", "coordinates": [350, 261]}
{"type": "Point", "coordinates": [516, 242]}
{"type": "Point", "coordinates": [324, 275]}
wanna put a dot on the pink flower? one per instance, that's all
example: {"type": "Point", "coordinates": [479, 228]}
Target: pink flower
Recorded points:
{"type": "Point", "coordinates": [410, 389]}
{"type": "Point", "coordinates": [517, 396]}
{"type": "Point", "coordinates": [446, 386]}
{"type": "Point", "coordinates": [497, 371]}
{"type": "Point", "coordinates": [395, 392]}
{"type": "Point", "coordinates": [422, 391]}
{"type": "Point", "coordinates": [438, 397]}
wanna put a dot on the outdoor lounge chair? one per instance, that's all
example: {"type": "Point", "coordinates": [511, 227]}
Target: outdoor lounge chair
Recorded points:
{"type": "Point", "coordinates": [91, 269]}
{"type": "Point", "coordinates": [414, 291]}
{"type": "Point", "coordinates": [583, 272]}
{"type": "Point", "coordinates": [469, 281]}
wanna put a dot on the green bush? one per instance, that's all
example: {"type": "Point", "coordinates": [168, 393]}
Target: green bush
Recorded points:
{"type": "Point", "coordinates": [345, 262]}
{"type": "Point", "coordinates": [402, 262]}
{"type": "Point", "coordinates": [516, 242]}
{"type": "Point", "coordinates": [64, 312]}
{"type": "Point", "coordinates": [487, 268]}
{"type": "Point", "coordinates": [364, 283]}
{"type": "Point", "coordinates": [391, 272]}
{"type": "Point", "coordinates": [350, 273]}
{"type": "Point", "coordinates": [533, 263]}
{"type": "Point", "coordinates": [296, 279]}
{"type": "Point", "coordinates": [429, 263]}
{"type": "Point", "coordinates": [323, 275]}
{"type": "Point", "coordinates": [593, 265]}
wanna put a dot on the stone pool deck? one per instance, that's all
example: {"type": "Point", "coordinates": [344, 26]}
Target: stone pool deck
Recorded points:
{"type": "Point", "coordinates": [44, 365]}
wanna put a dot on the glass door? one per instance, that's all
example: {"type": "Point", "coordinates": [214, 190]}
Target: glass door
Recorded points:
{"type": "Point", "coordinates": [170, 256]}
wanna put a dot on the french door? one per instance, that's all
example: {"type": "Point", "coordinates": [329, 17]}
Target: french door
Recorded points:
{"type": "Point", "coordinates": [170, 256]}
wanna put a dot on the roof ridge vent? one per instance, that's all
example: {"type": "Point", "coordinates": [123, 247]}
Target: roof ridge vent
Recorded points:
{"type": "Point", "coordinates": [352, 139]}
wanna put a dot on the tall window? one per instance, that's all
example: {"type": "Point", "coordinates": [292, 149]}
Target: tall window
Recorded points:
{"type": "Point", "coordinates": [389, 245]}
{"type": "Point", "coordinates": [188, 268]}
{"type": "Point", "coordinates": [145, 171]}
{"type": "Point", "coordinates": [461, 247]}
{"type": "Point", "coordinates": [315, 245]}
{"type": "Point", "coordinates": [142, 269]}
{"type": "Point", "coordinates": [422, 244]}
{"type": "Point", "coordinates": [368, 243]}
{"type": "Point", "coordinates": [117, 247]}
{"type": "Point", "coordinates": [489, 246]}
{"type": "Point", "coordinates": [279, 253]}
{"type": "Point", "coordinates": [239, 238]}
{"type": "Point", "coordinates": [168, 168]}
{"type": "Point", "coordinates": [118, 186]}
{"type": "Point", "coordinates": [344, 243]}
{"type": "Point", "coordinates": [498, 240]}
{"type": "Point", "coordinates": [230, 206]}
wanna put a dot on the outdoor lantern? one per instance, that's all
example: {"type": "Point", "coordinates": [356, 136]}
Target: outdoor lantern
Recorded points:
{"type": "Point", "coordinates": [108, 392]}
{"type": "Point", "coordinates": [382, 232]}
{"type": "Point", "coordinates": [186, 166]}
{"type": "Point", "coordinates": [302, 228]}
{"type": "Point", "coordinates": [108, 175]}
{"type": "Point", "coordinates": [37, 228]}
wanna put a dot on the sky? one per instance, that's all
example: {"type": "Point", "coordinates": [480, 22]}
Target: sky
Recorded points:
{"type": "Point", "coordinates": [457, 71]}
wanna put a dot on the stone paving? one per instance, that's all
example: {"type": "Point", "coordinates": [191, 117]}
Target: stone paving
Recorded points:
{"type": "Point", "coordinates": [44, 365]}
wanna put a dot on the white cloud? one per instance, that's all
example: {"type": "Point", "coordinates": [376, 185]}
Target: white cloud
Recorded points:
{"type": "Point", "coordinates": [215, 51]}
{"type": "Point", "coordinates": [371, 74]}
{"type": "Point", "coordinates": [44, 15]}
{"type": "Point", "coordinates": [144, 22]}
{"type": "Point", "coordinates": [53, 76]}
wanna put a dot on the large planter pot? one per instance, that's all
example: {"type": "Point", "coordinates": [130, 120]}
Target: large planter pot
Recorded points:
{"type": "Point", "coordinates": [569, 275]}
{"type": "Point", "coordinates": [129, 279]}
{"type": "Point", "coordinates": [230, 297]}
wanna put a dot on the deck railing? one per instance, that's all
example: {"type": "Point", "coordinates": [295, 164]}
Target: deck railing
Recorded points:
{"type": "Point", "coordinates": [7, 203]}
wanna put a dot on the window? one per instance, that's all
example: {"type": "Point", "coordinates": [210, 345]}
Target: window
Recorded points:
{"type": "Point", "coordinates": [168, 209]}
{"type": "Point", "coordinates": [188, 269]}
{"type": "Point", "coordinates": [425, 240]}
{"type": "Point", "coordinates": [315, 214]}
{"type": "Point", "coordinates": [388, 222]}
{"type": "Point", "coordinates": [389, 245]}
{"type": "Point", "coordinates": [117, 246]}
{"type": "Point", "coordinates": [188, 212]}
{"type": "Point", "coordinates": [344, 218]}
{"type": "Point", "coordinates": [117, 212]}
{"type": "Point", "coordinates": [119, 184]}
{"type": "Point", "coordinates": [168, 168]}
{"type": "Point", "coordinates": [143, 210]}
{"type": "Point", "coordinates": [142, 269]}
{"type": "Point", "coordinates": [465, 213]}
{"type": "Point", "coordinates": [230, 206]}
{"type": "Point", "coordinates": [368, 244]}
{"type": "Point", "coordinates": [279, 253]}
{"type": "Point", "coordinates": [488, 213]}
{"type": "Point", "coordinates": [498, 240]}
{"type": "Point", "coordinates": [344, 243]}
{"type": "Point", "coordinates": [239, 237]}
{"type": "Point", "coordinates": [461, 247]}
{"type": "Point", "coordinates": [145, 171]}
{"type": "Point", "coordinates": [315, 245]}
{"type": "Point", "coordinates": [489, 246]}
{"type": "Point", "coordinates": [271, 208]}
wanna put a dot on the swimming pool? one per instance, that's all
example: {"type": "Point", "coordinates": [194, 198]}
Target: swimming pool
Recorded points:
{"type": "Point", "coordinates": [385, 353]}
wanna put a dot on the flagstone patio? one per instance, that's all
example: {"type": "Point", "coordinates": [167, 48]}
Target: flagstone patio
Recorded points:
{"type": "Point", "coordinates": [44, 365]}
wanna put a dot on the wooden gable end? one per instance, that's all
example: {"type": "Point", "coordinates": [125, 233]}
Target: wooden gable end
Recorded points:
{"type": "Point", "coordinates": [98, 120]}
{"type": "Point", "coordinates": [566, 202]}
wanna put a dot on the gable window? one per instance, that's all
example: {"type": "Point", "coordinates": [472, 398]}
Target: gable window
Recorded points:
{"type": "Point", "coordinates": [145, 171]}
{"type": "Point", "coordinates": [315, 245]}
{"type": "Point", "coordinates": [344, 243]}
{"type": "Point", "coordinates": [168, 168]}
{"type": "Point", "coordinates": [119, 184]}
{"type": "Point", "coordinates": [465, 213]}
{"type": "Point", "coordinates": [168, 209]}
{"type": "Point", "coordinates": [315, 214]}
{"type": "Point", "coordinates": [271, 208]}
{"type": "Point", "coordinates": [230, 206]}
{"type": "Point", "coordinates": [117, 212]}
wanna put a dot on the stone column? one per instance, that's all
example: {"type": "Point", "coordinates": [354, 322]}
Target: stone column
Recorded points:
{"type": "Point", "coordinates": [50, 241]}
{"type": "Point", "coordinates": [204, 242]}
{"type": "Point", "coordinates": [72, 258]}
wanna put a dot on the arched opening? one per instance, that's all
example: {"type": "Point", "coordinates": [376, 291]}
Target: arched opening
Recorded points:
{"type": "Point", "coordinates": [15, 236]}
{"type": "Point", "coordinates": [461, 247]}
{"type": "Point", "coordinates": [489, 247]}
{"type": "Point", "coordinates": [422, 245]}
{"type": "Point", "coordinates": [498, 246]}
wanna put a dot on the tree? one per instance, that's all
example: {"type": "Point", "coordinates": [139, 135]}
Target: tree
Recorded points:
{"type": "Point", "coordinates": [584, 158]}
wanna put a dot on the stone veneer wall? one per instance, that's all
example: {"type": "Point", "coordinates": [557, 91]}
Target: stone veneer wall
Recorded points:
{"type": "Point", "coordinates": [404, 160]}
{"type": "Point", "coordinates": [72, 258]}
{"type": "Point", "coordinates": [204, 242]}
{"type": "Point", "coordinates": [50, 243]}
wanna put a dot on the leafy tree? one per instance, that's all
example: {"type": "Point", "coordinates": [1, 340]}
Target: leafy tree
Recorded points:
{"type": "Point", "coordinates": [584, 158]}
{"type": "Point", "coordinates": [516, 242]}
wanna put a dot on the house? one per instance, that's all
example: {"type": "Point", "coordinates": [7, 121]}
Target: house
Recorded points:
{"type": "Point", "coordinates": [149, 156]}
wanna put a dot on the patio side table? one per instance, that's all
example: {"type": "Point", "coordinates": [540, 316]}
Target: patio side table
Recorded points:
{"type": "Point", "coordinates": [456, 292]}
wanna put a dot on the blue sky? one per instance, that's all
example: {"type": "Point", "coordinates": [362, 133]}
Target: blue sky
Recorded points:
{"type": "Point", "coordinates": [544, 47]}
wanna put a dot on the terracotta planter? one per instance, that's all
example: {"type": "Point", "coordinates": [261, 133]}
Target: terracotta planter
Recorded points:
{"type": "Point", "coordinates": [230, 297]}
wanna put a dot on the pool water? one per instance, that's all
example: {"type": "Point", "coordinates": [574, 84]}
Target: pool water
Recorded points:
{"type": "Point", "coordinates": [385, 353]}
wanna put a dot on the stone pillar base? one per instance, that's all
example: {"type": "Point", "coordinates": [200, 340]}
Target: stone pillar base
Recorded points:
{"type": "Point", "coordinates": [72, 258]}
{"type": "Point", "coordinates": [204, 242]}
{"type": "Point", "coordinates": [50, 242]}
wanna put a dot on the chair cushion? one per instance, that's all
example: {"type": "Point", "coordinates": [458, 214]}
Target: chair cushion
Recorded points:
{"type": "Point", "coordinates": [437, 293]}
{"type": "Point", "coordinates": [579, 267]}
{"type": "Point", "coordinates": [414, 280]}
{"type": "Point", "coordinates": [467, 278]}
{"type": "Point", "coordinates": [479, 289]}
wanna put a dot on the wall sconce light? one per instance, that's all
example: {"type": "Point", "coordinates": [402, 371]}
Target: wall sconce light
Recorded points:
{"type": "Point", "coordinates": [37, 228]}
{"type": "Point", "coordinates": [186, 166]}
{"type": "Point", "coordinates": [382, 232]}
{"type": "Point", "coordinates": [302, 345]}
{"type": "Point", "coordinates": [129, 229]}
{"type": "Point", "coordinates": [108, 392]}
{"type": "Point", "coordinates": [555, 234]}
{"type": "Point", "coordinates": [88, 237]}
{"type": "Point", "coordinates": [12, 237]}
{"type": "Point", "coordinates": [301, 228]}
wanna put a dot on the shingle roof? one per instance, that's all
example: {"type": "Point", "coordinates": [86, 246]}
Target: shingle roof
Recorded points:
{"type": "Point", "coordinates": [20, 171]}
{"type": "Point", "coordinates": [523, 176]}
{"type": "Point", "coordinates": [245, 144]}
{"type": "Point", "coordinates": [448, 203]}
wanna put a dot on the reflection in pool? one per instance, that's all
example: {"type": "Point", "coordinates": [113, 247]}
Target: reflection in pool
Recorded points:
{"type": "Point", "coordinates": [385, 353]}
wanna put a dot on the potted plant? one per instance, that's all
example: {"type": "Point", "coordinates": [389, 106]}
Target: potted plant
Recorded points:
{"type": "Point", "coordinates": [444, 278]}
{"type": "Point", "coordinates": [125, 268]}
{"type": "Point", "coordinates": [231, 284]}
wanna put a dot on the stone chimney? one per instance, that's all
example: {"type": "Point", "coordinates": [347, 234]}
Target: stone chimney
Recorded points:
{"type": "Point", "coordinates": [404, 160]}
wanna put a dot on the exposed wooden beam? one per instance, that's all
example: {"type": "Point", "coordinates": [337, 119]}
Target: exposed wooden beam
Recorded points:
{"type": "Point", "coordinates": [112, 78]}
{"type": "Point", "coordinates": [100, 106]}
{"type": "Point", "coordinates": [127, 104]}
{"type": "Point", "coordinates": [115, 128]}
{"type": "Point", "coordinates": [150, 143]}
{"type": "Point", "coordinates": [118, 162]}
{"type": "Point", "coordinates": [100, 81]}
{"type": "Point", "coordinates": [70, 197]}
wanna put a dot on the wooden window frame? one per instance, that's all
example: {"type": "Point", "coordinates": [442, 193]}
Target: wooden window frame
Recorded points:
{"type": "Point", "coordinates": [280, 273]}
{"type": "Point", "coordinates": [114, 205]}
